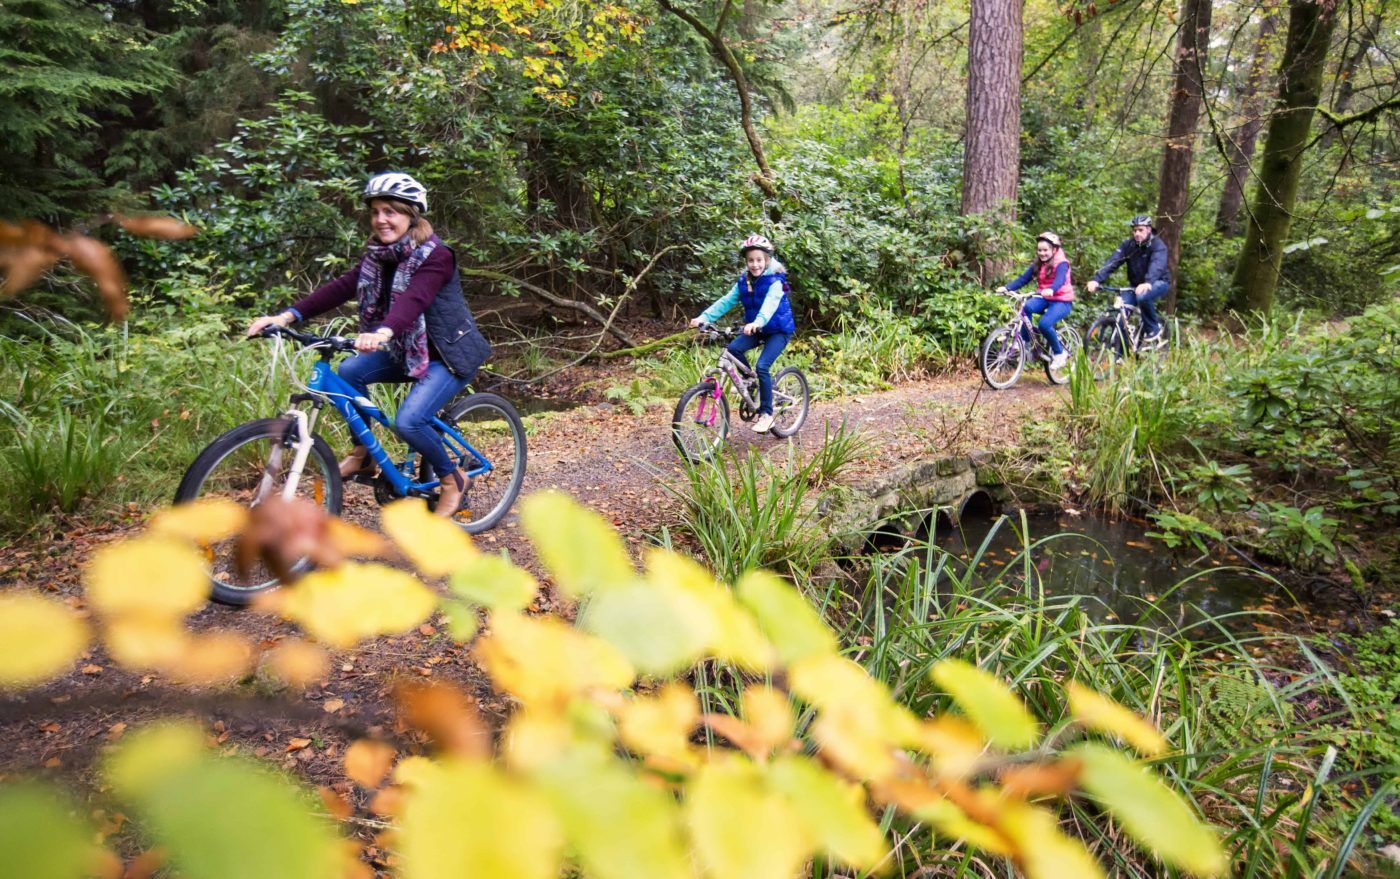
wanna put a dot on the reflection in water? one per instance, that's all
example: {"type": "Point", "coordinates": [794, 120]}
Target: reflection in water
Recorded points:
{"type": "Point", "coordinates": [1135, 579]}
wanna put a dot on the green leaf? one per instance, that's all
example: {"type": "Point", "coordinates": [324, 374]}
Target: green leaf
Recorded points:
{"type": "Point", "coordinates": [790, 622]}
{"type": "Point", "coordinates": [832, 809]}
{"type": "Point", "coordinates": [621, 827]}
{"type": "Point", "coordinates": [222, 817]}
{"type": "Point", "coordinates": [659, 628]}
{"type": "Point", "coordinates": [581, 550]}
{"type": "Point", "coordinates": [42, 835]}
{"type": "Point", "coordinates": [989, 704]}
{"type": "Point", "coordinates": [1153, 813]}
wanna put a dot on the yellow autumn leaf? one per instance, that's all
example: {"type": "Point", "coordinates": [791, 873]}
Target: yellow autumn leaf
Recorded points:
{"type": "Point", "coordinates": [832, 809]}
{"type": "Point", "coordinates": [1042, 850]}
{"type": "Point", "coordinates": [213, 658]}
{"type": "Point", "coordinates": [207, 521]}
{"type": "Point", "coordinates": [954, 744]}
{"type": "Point", "coordinates": [732, 633]}
{"type": "Point", "coordinates": [148, 576]}
{"type": "Point", "coordinates": [620, 826]}
{"type": "Point", "coordinates": [790, 623]}
{"type": "Point", "coordinates": [741, 827]}
{"type": "Point", "coordinates": [534, 739]}
{"type": "Point", "coordinates": [659, 726]}
{"type": "Point", "coordinates": [658, 627]}
{"type": "Point", "coordinates": [988, 703]}
{"type": "Point", "coordinates": [494, 583]}
{"type": "Point", "coordinates": [768, 713]}
{"type": "Point", "coordinates": [1152, 813]}
{"type": "Point", "coordinates": [343, 605]}
{"type": "Point", "coordinates": [39, 638]}
{"type": "Point", "coordinates": [436, 546]}
{"type": "Point", "coordinates": [545, 662]}
{"type": "Point", "coordinates": [143, 642]}
{"type": "Point", "coordinates": [578, 546]}
{"type": "Point", "coordinates": [463, 818]}
{"type": "Point", "coordinates": [1100, 713]}
{"type": "Point", "coordinates": [926, 804]}
{"type": "Point", "coordinates": [859, 725]}
{"type": "Point", "coordinates": [297, 662]}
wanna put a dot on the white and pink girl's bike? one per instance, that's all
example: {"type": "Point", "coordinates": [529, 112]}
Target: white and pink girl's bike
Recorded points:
{"type": "Point", "coordinates": [701, 422]}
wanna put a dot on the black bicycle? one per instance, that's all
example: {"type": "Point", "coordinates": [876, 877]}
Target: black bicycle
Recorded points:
{"type": "Point", "coordinates": [1117, 333]}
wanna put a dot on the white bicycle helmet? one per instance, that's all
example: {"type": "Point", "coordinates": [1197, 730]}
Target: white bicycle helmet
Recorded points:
{"type": "Point", "coordinates": [400, 186]}
{"type": "Point", "coordinates": [1049, 238]}
{"type": "Point", "coordinates": [756, 242]}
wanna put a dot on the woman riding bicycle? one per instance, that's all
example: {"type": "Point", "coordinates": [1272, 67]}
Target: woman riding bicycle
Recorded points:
{"type": "Point", "coordinates": [768, 320]}
{"type": "Point", "coordinates": [414, 324]}
{"type": "Point", "coordinates": [1055, 298]}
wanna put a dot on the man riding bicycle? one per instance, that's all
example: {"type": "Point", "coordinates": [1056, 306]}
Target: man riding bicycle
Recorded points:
{"type": "Point", "coordinates": [1145, 256]}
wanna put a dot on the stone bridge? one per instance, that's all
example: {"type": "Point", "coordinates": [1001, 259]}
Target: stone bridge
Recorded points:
{"type": "Point", "coordinates": [915, 500]}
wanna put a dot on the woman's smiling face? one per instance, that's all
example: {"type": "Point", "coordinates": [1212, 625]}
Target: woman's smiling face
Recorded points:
{"type": "Point", "coordinates": [388, 220]}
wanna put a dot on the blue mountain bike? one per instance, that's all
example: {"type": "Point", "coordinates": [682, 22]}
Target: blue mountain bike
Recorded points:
{"type": "Point", "coordinates": [284, 457]}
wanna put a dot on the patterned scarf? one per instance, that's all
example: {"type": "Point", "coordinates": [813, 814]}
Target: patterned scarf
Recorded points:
{"type": "Point", "coordinates": [410, 349]}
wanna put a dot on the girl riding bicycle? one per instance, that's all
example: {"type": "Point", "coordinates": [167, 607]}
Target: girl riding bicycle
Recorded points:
{"type": "Point", "coordinates": [414, 324]}
{"type": "Point", "coordinates": [768, 320]}
{"type": "Point", "coordinates": [1051, 273]}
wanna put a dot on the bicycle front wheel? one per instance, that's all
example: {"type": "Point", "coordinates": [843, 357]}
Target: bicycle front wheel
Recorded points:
{"type": "Point", "coordinates": [249, 465]}
{"type": "Point", "coordinates": [493, 428]}
{"type": "Point", "coordinates": [1104, 345]}
{"type": "Point", "coordinates": [1002, 358]}
{"type": "Point", "coordinates": [791, 400]}
{"type": "Point", "coordinates": [701, 422]}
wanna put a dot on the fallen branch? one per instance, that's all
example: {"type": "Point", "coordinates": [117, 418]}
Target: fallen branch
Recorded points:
{"type": "Point", "coordinates": [581, 307]}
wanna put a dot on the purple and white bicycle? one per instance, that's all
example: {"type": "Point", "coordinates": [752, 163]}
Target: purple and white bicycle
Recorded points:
{"type": "Point", "coordinates": [701, 423]}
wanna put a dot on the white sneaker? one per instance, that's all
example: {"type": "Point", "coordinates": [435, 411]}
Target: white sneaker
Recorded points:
{"type": "Point", "coordinates": [1058, 362]}
{"type": "Point", "coordinates": [763, 424]}
{"type": "Point", "coordinates": [1154, 340]}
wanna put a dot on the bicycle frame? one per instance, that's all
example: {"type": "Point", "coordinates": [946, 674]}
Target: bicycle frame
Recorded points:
{"type": "Point", "coordinates": [737, 373]}
{"type": "Point", "coordinates": [327, 387]}
{"type": "Point", "coordinates": [1020, 322]}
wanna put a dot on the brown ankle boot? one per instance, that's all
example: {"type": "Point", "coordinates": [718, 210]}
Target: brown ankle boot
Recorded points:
{"type": "Point", "coordinates": [357, 463]}
{"type": "Point", "coordinates": [450, 495]}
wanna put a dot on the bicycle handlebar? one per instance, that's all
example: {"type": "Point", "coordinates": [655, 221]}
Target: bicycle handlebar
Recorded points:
{"type": "Point", "coordinates": [713, 331]}
{"type": "Point", "coordinates": [310, 340]}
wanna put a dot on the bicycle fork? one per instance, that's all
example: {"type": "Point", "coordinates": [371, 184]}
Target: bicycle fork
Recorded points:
{"type": "Point", "coordinates": [302, 451]}
{"type": "Point", "coordinates": [713, 397]}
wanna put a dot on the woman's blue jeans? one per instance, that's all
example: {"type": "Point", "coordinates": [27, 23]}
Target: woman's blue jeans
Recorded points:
{"type": "Point", "coordinates": [773, 345]}
{"type": "Point", "coordinates": [425, 399]}
{"type": "Point", "coordinates": [1051, 312]}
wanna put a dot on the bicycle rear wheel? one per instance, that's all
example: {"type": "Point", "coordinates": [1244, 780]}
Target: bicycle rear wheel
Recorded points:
{"type": "Point", "coordinates": [1001, 358]}
{"type": "Point", "coordinates": [701, 422]}
{"type": "Point", "coordinates": [1105, 345]}
{"type": "Point", "coordinates": [249, 465]}
{"type": "Point", "coordinates": [791, 400]}
{"type": "Point", "coordinates": [492, 426]}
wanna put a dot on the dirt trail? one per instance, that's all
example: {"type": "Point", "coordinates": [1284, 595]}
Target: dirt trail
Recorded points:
{"type": "Point", "coordinates": [605, 456]}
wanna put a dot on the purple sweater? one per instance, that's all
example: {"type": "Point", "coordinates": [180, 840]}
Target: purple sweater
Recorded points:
{"type": "Point", "coordinates": [422, 287]}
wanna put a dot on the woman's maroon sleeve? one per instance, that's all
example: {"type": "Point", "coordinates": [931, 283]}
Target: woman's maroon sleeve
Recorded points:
{"type": "Point", "coordinates": [431, 276]}
{"type": "Point", "coordinates": [329, 295]}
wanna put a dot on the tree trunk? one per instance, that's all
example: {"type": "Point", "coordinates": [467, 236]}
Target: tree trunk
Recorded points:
{"type": "Point", "coordinates": [992, 149]}
{"type": "Point", "coordinates": [1185, 114]}
{"type": "Point", "coordinates": [1346, 76]}
{"type": "Point", "coordinates": [1310, 27]}
{"type": "Point", "coordinates": [1254, 98]}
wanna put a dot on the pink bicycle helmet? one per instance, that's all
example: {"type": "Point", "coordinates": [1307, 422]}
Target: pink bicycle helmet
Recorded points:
{"type": "Point", "coordinates": [756, 242]}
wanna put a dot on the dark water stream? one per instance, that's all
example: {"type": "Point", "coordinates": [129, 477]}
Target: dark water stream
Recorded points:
{"type": "Point", "coordinates": [1130, 577]}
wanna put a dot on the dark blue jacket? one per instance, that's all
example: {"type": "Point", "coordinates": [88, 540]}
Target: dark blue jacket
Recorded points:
{"type": "Point", "coordinates": [453, 330]}
{"type": "Point", "coordinates": [1147, 262]}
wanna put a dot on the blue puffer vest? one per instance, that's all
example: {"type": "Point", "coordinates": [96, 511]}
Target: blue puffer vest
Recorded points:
{"type": "Point", "coordinates": [752, 294]}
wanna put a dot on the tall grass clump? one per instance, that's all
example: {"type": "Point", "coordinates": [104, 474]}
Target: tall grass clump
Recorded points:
{"type": "Point", "coordinates": [98, 417]}
{"type": "Point", "coordinates": [1244, 752]}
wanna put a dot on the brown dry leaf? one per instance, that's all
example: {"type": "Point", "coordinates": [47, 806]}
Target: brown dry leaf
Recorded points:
{"type": "Point", "coordinates": [105, 864]}
{"type": "Point", "coordinates": [297, 662]}
{"type": "Point", "coordinates": [213, 658]}
{"type": "Point", "coordinates": [331, 706]}
{"type": "Point", "coordinates": [387, 802]}
{"type": "Point", "coordinates": [166, 228]}
{"type": "Point", "coordinates": [447, 715]}
{"type": "Point", "coordinates": [91, 669]}
{"type": "Point", "coordinates": [335, 804]}
{"type": "Point", "coordinates": [145, 865]}
{"type": "Point", "coordinates": [368, 761]}
{"type": "Point", "coordinates": [23, 266]}
{"type": "Point", "coordinates": [115, 730]}
{"type": "Point", "coordinates": [1041, 780]}
{"type": "Point", "coordinates": [280, 533]}
{"type": "Point", "coordinates": [298, 744]}
{"type": "Point", "coordinates": [96, 260]}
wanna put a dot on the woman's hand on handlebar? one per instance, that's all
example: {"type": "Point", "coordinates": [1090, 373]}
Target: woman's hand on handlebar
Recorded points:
{"type": "Point", "coordinates": [283, 320]}
{"type": "Point", "coordinates": [371, 341]}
